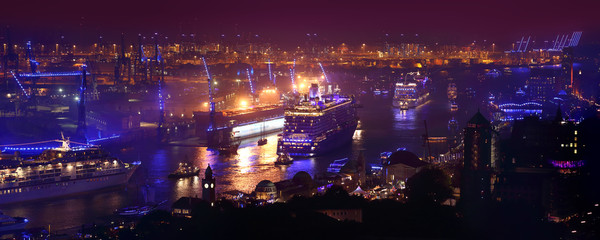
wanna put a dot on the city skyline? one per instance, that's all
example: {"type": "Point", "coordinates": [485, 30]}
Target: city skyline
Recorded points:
{"type": "Point", "coordinates": [287, 23]}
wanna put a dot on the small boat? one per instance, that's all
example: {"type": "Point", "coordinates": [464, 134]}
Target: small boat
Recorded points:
{"type": "Point", "coordinates": [453, 106]}
{"type": "Point", "coordinates": [138, 210]}
{"type": "Point", "coordinates": [283, 159]}
{"type": "Point", "coordinates": [185, 170]}
{"type": "Point", "coordinates": [8, 223]}
{"type": "Point", "coordinates": [262, 140]}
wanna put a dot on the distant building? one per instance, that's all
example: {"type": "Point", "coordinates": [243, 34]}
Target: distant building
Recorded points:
{"type": "Point", "coordinates": [541, 85]}
{"type": "Point", "coordinates": [183, 206]}
{"type": "Point", "coordinates": [208, 186]}
{"type": "Point", "coordinates": [300, 185]}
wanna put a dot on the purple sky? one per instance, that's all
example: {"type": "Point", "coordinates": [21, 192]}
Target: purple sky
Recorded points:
{"type": "Point", "coordinates": [286, 22]}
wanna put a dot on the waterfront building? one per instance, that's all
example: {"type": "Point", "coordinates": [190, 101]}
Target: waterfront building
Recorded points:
{"type": "Point", "coordinates": [301, 184]}
{"type": "Point", "coordinates": [265, 190]}
{"type": "Point", "coordinates": [183, 206]}
{"type": "Point", "coordinates": [400, 166]}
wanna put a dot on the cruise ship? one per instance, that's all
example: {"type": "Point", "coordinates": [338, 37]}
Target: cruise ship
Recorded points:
{"type": "Point", "coordinates": [452, 91]}
{"type": "Point", "coordinates": [60, 171]}
{"type": "Point", "coordinates": [411, 92]}
{"type": "Point", "coordinates": [318, 124]}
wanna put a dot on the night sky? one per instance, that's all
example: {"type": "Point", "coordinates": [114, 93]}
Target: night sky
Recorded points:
{"type": "Point", "coordinates": [286, 22]}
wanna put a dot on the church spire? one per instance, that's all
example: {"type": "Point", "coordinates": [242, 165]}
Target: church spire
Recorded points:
{"type": "Point", "coordinates": [208, 174]}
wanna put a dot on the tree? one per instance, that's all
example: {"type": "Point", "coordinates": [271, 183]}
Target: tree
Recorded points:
{"type": "Point", "coordinates": [430, 185]}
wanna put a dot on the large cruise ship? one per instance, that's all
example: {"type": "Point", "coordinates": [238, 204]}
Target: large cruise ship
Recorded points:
{"type": "Point", "coordinates": [60, 171]}
{"type": "Point", "coordinates": [411, 92]}
{"type": "Point", "coordinates": [318, 124]}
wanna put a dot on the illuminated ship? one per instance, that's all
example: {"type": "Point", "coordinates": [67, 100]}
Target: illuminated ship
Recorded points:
{"type": "Point", "coordinates": [61, 171]}
{"type": "Point", "coordinates": [411, 92]}
{"type": "Point", "coordinates": [318, 124]}
{"type": "Point", "coordinates": [452, 91]}
{"type": "Point", "coordinates": [241, 123]}
{"type": "Point", "coordinates": [185, 170]}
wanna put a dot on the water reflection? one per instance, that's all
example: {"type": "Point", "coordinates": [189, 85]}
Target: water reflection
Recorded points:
{"type": "Point", "coordinates": [384, 128]}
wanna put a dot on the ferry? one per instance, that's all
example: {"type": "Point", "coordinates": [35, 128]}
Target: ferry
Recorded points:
{"type": "Point", "coordinates": [61, 171]}
{"type": "Point", "coordinates": [318, 124]}
{"type": "Point", "coordinates": [411, 92]}
{"type": "Point", "coordinates": [185, 170]}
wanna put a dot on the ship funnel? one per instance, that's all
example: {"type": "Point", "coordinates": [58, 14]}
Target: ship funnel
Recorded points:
{"type": "Point", "coordinates": [313, 91]}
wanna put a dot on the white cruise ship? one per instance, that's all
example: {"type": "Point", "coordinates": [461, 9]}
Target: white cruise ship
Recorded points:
{"type": "Point", "coordinates": [61, 171]}
{"type": "Point", "coordinates": [411, 92]}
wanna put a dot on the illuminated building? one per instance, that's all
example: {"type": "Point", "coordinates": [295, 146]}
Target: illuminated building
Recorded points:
{"type": "Point", "coordinates": [265, 190]}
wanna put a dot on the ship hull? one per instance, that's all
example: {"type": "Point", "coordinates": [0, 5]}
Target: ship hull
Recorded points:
{"type": "Point", "coordinates": [22, 222]}
{"type": "Point", "coordinates": [330, 143]}
{"type": "Point", "coordinates": [61, 188]}
{"type": "Point", "coordinates": [411, 104]}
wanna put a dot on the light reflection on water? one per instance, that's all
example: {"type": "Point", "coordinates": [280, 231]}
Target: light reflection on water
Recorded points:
{"type": "Point", "coordinates": [384, 128]}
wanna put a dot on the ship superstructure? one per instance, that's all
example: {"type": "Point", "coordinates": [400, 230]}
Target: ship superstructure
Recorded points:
{"type": "Point", "coordinates": [411, 92]}
{"type": "Point", "coordinates": [61, 171]}
{"type": "Point", "coordinates": [318, 124]}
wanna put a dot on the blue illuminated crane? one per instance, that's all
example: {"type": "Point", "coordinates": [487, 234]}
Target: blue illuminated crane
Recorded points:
{"type": "Point", "coordinates": [324, 74]}
{"type": "Point", "coordinates": [250, 81]}
{"type": "Point", "coordinates": [140, 67]}
{"type": "Point", "coordinates": [33, 64]}
{"type": "Point", "coordinates": [81, 125]}
{"type": "Point", "coordinates": [122, 63]}
{"type": "Point", "coordinates": [210, 97]}
{"type": "Point", "coordinates": [270, 73]}
{"type": "Point", "coordinates": [292, 73]}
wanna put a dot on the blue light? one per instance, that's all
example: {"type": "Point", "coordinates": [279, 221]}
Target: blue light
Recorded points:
{"type": "Point", "coordinates": [322, 69]}
{"type": "Point", "coordinates": [105, 138]}
{"type": "Point", "coordinates": [250, 81]}
{"type": "Point", "coordinates": [270, 74]}
{"type": "Point", "coordinates": [18, 82]}
{"type": "Point", "coordinates": [51, 74]}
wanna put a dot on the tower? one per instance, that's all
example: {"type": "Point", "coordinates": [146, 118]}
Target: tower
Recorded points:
{"type": "Point", "coordinates": [208, 186]}
{"type": "Point", "coordinates": [475, 180]}
{"type": "Point", "coordinates": [81, 125]}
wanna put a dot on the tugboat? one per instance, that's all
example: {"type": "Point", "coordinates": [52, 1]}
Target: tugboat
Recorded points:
{"type": "Point", "coordinates": [283, 159]}
{"type": "Point", "coordinates": [185, 170]}
{"type": "Point", "coordinates": [8, 223]}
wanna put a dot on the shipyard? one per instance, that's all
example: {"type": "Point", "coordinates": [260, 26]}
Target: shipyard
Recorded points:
{"type": "Point", "coordinates": [305, 120]}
